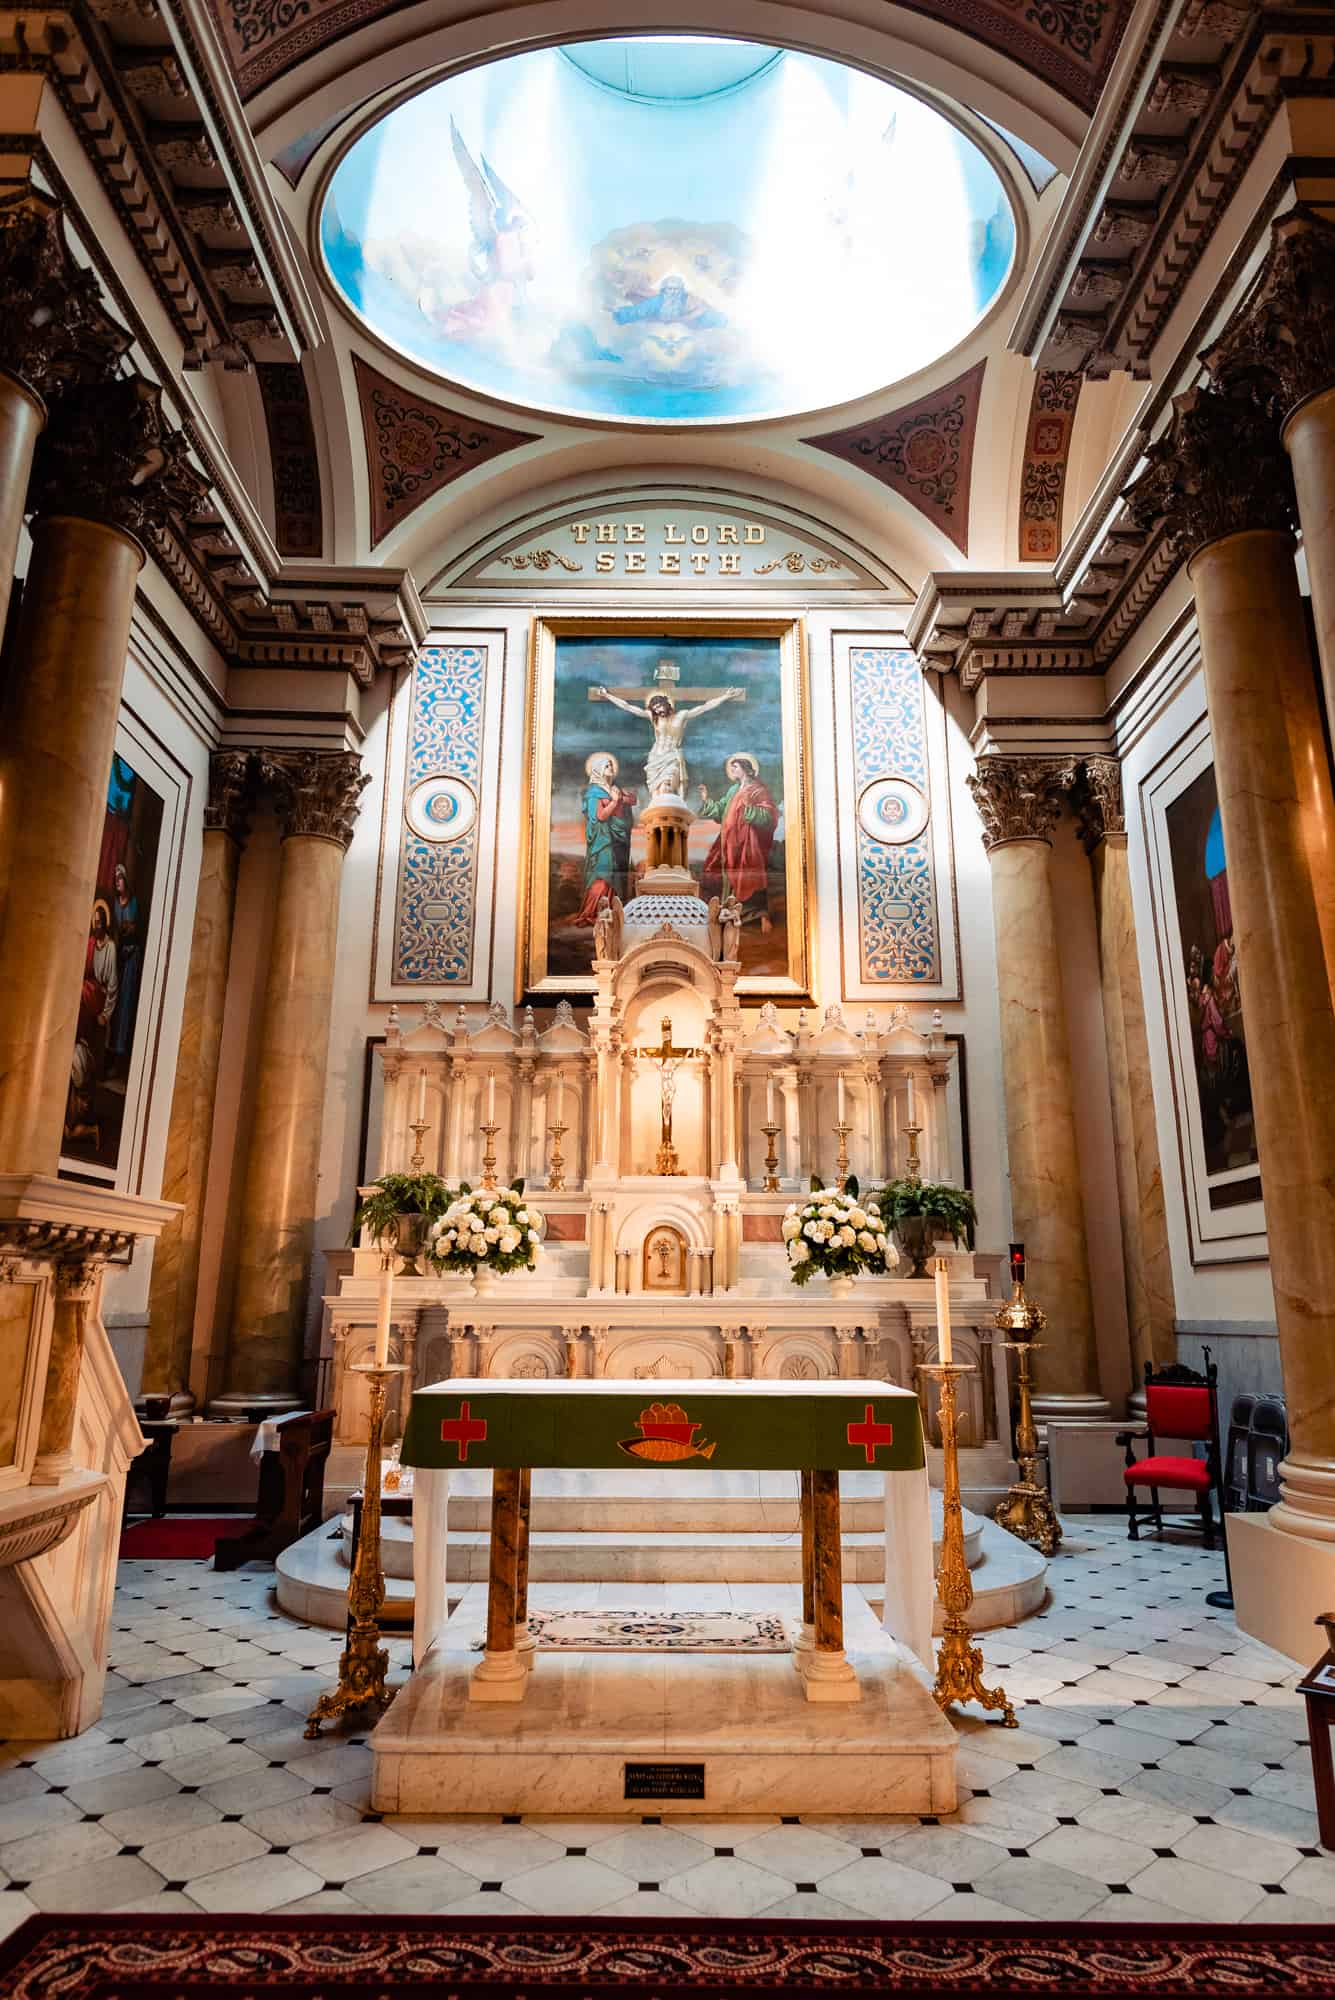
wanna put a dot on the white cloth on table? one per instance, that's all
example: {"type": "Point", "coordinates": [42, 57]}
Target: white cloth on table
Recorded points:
{"type": "Point", "coordinates": [265, 1439]}
{"type": "Point", "coordinates": [910, 1582]}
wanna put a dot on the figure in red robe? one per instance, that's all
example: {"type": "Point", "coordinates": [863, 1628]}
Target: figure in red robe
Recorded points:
{"type": "Point", "coordinates": [737, 864]}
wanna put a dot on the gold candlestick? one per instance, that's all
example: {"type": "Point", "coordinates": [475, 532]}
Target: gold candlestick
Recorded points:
{"type": "Point", "coordinates": [556, 1178]}
{"type": "Point", "coordinates": [489, 1180]}
{"type": "Point", "coordinates": [1027, 1509]}
{"type": "Point", "coordinates": [364, 1662]}
{"type": "Point", "coordinates": [841, 1178]}
{"type": "Point", "coordinates": [770, 1183]}
{"type": "Point", "coordinates": [417, 1127]}
{"type": "Point", "coordinates": [914, 1170]}
{"type": "Point", "coordinates": [959, 1663]}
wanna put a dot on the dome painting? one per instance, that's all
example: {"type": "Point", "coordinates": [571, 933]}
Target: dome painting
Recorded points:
{"type": "Point", "coordinates": [667, 230]}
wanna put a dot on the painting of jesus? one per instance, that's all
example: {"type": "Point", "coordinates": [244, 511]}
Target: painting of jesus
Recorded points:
{"type": "Point", "coordinates": [714, 719]}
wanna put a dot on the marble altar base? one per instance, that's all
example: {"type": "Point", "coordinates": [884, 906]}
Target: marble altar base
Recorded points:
{"type": "Point", "coordinates": [764, 1747]}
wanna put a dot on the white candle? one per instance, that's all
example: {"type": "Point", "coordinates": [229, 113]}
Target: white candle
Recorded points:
{"type": "Point", "coordinates": [421, 1097]}
{"type": "Point", "coordinates": [384, 1299]}
{"type": "Point", "coordinates": [944, 1350]}
{"type": "Point", "coordinates": [911, 1119]}
{"type": "Point", "coordinates": [770, 1119]}
{"type": "Point", "coordinates": [560, 1096]}
{"type": "Point", "coordinates": [491, 1097]}
{"type": "Point", "coordinates": [841, 1097]}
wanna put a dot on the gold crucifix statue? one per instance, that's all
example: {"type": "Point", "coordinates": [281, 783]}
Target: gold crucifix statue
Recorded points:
{"type": "Point", "coordinates": [669, 1058]}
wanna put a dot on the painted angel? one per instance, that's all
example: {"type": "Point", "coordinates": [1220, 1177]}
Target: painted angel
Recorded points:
{"type": "Point", "coordinates": [499, 259]}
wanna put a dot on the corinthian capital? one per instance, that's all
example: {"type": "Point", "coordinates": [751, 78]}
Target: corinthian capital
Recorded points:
{"type": "Point", "coordinates": [1219, 469]}
{"type": "Point", "coordinates": [53, 325]}
{"type": "Point", "coordinates": [1096, 798]}
{"type": "Point", "coordinates": [1281, 344]}
{"type": "Point", "coordinates": [318, 792]}
{"type": "Point", "coordinates": [1018, 798]}
{"type": "Point", "coordinates": [226, 807]}
{"type": "Point", "coordinates": [109, 454]}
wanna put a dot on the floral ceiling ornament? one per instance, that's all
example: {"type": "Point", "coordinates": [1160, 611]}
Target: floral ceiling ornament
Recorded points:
{"type": "Point", "coordinates": [923, 452]}
{"type": "Point", "coordinates": [414, 447]}
{"type": "Point", "coordinates": [1046, 451]}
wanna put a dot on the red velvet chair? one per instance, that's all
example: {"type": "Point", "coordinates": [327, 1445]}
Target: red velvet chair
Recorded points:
{"type": "Point", "coordinates": [1179, 1403]}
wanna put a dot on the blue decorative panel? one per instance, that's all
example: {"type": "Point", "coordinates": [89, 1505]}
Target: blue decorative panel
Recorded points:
{"type": "Point", "coordinates": [437, 890]}
{"type": "Point", "coordinates": [897, 924]}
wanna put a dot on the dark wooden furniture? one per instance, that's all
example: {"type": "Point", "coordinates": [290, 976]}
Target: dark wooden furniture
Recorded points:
{"type": "Point", "coordinates": [1317, 1688]}
{"type": "Point", "coordinates": [291, 1491]}
{"type": "Point", "coordinates": [1180, 1403]}
{"type": "Point", "coordinates": [151, 1469]}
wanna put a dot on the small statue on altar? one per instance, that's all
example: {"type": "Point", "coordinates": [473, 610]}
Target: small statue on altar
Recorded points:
{"type": "Point", "coordinates": [725, 927]}
{"type": "Point", "coordinates": [607, 928]}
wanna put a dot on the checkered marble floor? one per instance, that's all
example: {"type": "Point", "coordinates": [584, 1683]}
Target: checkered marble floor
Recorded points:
{"type": "Point", "coordinates": [1160, 1771]}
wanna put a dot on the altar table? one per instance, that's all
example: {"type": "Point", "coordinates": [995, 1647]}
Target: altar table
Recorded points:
{"type": "Point", "coordinates": [816, 1429]}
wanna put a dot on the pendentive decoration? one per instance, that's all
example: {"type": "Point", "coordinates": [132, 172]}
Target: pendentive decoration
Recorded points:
{"type": "Point", "coordinates": [1047, 448]}
{"type": "Point", "coordinates": [923, 452]}
{"type": "Point", "coordinates": [318, 792]}
{"type": "Point", "coordinates": [414, 448]}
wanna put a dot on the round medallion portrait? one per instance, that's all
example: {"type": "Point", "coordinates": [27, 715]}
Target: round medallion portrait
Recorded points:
{"type": "Point", "coordinates": [892, 810]}
{"type": "Point", "coordinates": [441, 808]}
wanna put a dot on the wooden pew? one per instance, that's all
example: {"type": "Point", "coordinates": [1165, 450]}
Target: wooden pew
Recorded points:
{"type": "Point", "coordinates": [291, 1491]}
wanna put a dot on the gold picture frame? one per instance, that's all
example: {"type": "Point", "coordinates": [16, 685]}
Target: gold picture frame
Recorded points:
{"type": "Point", "coordinates": [536, 975]}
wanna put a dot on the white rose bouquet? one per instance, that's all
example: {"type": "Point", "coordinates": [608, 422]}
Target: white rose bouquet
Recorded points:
{"type": "Point", "coordinates": [833, 1235]}
{"type": "Point", "coordinates": [492, 1229]}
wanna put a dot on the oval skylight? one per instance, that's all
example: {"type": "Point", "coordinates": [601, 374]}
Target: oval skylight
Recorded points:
{"type": "Point", "coordinates": [667, 230]}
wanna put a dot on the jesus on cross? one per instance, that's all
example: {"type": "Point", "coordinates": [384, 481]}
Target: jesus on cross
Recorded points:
{"type": "Point", "coordinates": [665, 766]}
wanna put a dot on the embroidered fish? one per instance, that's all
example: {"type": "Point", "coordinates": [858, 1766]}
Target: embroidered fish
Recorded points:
{"type": "Point", "coordinates": [668, 1436]}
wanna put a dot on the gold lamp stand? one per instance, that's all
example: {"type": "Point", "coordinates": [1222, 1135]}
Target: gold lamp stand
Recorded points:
{"type": "Point", "coordinates": [1027, 1510]}
{"type": "Point", "coordinates": [363, 1663]}
{"type": "Point", "coordinates": [959, 1663]}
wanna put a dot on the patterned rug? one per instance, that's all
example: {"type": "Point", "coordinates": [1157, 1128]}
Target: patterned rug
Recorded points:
{"type": "Point", "coordinates": [426, 1958]}
{"type": "Point", "coordinates": [664, 1631]}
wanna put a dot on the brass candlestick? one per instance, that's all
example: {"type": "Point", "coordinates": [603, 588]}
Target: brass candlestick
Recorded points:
{"type": "Point", "coordinates": [556, 1178]}
{"type": "Point", "coordinates": [959, 1663]}
{"type": "Point", "coordinates": [417, 1127]}
{"type": "Point", "coordinates": [1027, 1509]}
{"type": "Point", "coordinates": [771, 1180]}
{"type": "Point", "coordinates": [489, 1180]}
{"type": "Point", "coordinates": [364, 1662]}
{"type": "Point", "coordinates": [841, 1177]}
{"type": "Point", "coordinates": [914, 1170]}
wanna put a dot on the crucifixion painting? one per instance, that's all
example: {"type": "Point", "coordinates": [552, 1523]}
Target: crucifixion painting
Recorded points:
{"type": "Point", "coordinates": [665, 766]}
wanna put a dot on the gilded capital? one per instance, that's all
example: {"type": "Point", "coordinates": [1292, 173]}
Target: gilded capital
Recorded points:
{"type": "Point", "coordinates": [109, 454]}
{"type": "Point", "coordinates": [1096, 798]}
{"type": "Point", "coordinates": [227, 807]}
{"type": "Point", "coordinates": [1018, 798]}
{"type": "Point", "coordinates": [1219, 469]}
{"type": "Point", "coordinates": [1280, 345]}
{"type": "Point", "coordinates": [318, 792]}
{"type": "Point", "coordinates": [53, 325]}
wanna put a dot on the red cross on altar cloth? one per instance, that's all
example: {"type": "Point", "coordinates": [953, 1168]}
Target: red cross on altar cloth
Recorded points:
{"type": "Point", "coordinates": [465, 1428]}
{"type": "Point", "coordinates": [869, 1433]}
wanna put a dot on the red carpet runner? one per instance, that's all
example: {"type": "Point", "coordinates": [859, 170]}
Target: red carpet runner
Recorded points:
{"type": "Point", "coordinates": [426, 1958]}
{"type": "Point", "coordinates": [178, 1538]}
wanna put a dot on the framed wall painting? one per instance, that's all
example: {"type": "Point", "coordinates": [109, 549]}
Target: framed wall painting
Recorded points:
{"type": "Point", "coordinates": [1202, 1005]}
{"type": "Point", "coordinates": [739, 686]}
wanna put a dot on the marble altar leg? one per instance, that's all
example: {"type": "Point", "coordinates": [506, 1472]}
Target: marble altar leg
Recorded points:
{"type": "Point", "coordinates": [502, 1674]}
{"type": "Point", "coordinates": [431, 1499]}
{"type": "Point", "coordinates": [828, 1676]}
{"type": "Point", "coordinates": [525, 1643]}
{"type": "Point", "coordinates": [806, 1638]}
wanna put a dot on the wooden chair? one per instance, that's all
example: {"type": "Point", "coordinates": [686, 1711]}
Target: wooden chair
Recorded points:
{"type": "Point", "coordinates": [291, 1491]}
{"type": "Point", "coordinates": [1179, 1403]}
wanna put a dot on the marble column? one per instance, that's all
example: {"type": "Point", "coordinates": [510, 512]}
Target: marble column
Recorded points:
{"type": "Point", "coordinates": [317, 794]}
{"type": "Point", "coordinates": [175, 1279]}
{"type": "Point", "coordinates": [503, 1671]}
{"type": "Point", "coordinates": [1218, 484]}
{"type": "Point", "coordinates": [76, 1282]}
{"type": "Point", "coordinates": [1019, 800]}
{"type": "Point", "coordinates": [1147, 1263]}
{"type": "Point", "coordinates": [52, 328]}
{"type": "Point", "coordinates": [105, 469]}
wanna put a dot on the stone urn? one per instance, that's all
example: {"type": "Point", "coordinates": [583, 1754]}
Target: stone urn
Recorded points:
{"type": "Point", "coordinates": [485, 1281]}
{"type": "Point", "coordinates": [916, 1237]}
{"type": "Point", "coordinates": [841, 1287]}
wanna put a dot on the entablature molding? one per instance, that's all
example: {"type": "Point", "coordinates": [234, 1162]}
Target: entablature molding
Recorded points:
{"type": "Point", "coordinates": [1157, 174]}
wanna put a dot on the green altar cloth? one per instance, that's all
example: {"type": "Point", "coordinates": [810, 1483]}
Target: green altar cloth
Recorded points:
{"type": "Point", "coordinates": [748, 1425]}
